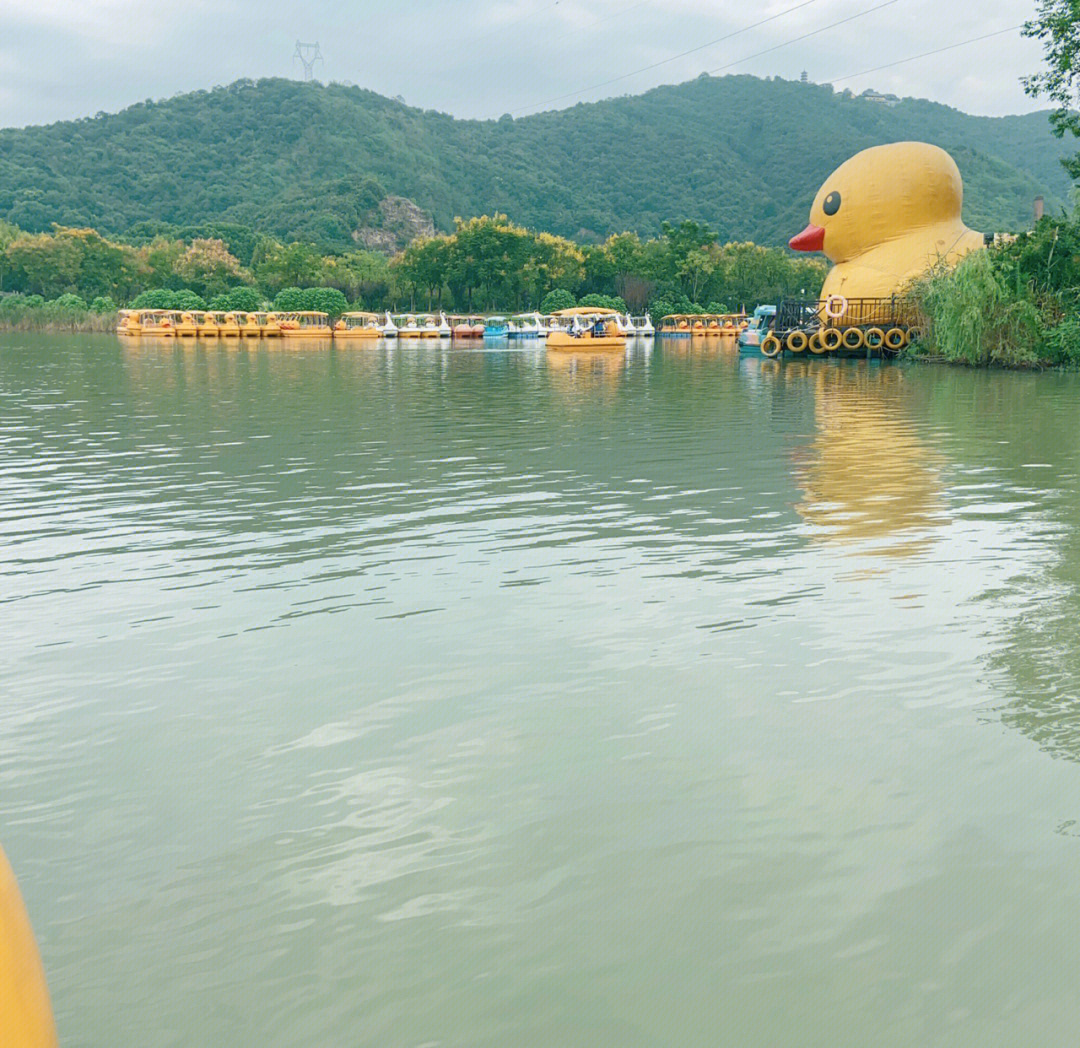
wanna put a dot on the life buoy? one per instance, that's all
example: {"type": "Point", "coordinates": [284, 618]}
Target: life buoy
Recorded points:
{"type": "Point", "coordinates": [796, 341]}
{"type": "Point", "coordinates": [895, 338]}
{"type": "Point", "coordinates": [853, 338]}
{"type": "Point", "coordinates": [830, 306]}
{"type": "Point", "coordinates": [874, 338]}
{"type": "Point", "coordinates": [817, 343]}
{"type": "Point", "coordinates": [770, 346]}
{"type": "Point", "coordinates": [831, 338]}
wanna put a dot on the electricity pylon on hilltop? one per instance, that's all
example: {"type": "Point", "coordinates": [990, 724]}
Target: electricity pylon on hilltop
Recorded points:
{"type": "Point", "coordinates": [308, 54]}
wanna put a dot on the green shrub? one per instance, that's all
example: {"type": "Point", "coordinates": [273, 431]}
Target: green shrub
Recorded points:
{"type": "Point", "coordinates": [69, 303]}
{"type": "Point", "coordinates": [289, 300]}
{"type": "Point", "coordinates": [683, 304]}
{"type": "Point", "coordinates": [13, 308]}
{"type": "Point", "coordinates": [558, 299]}
{"type": "Point", "coordinates": [187, 300]}
{"type": "Point", "coordinates": [326, 300]}
{"type": "Point", "coordinates": [603, 302]}
{"type": "Point", "coordinates": [156, 298]}
{"type": "Point", "coordinates": [1062, 341]}
{"type": "Point", "coordinates": [717, 307]}
{"type": "Point", "coordinates": [244, 299]}
{"type": "Point", "coordinates": [103, 304]}
{"type": "Point", "coordinates": [222, 302]}
{"type": "Point", "coordinates": [660, 308]}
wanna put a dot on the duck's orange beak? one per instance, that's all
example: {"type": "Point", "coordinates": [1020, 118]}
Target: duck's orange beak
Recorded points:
{"type": "Point", "coordinates": [812, 238]}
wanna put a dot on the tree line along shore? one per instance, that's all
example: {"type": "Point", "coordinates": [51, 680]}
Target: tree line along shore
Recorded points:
{"type": "Point", "coordinates": [1015, 305]}
{"type": "Point", "coordinates": [75, 279]}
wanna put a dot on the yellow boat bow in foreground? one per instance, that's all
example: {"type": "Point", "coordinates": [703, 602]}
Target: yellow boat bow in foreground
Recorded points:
{"type": "Point", "coordinates": [26, 1019]}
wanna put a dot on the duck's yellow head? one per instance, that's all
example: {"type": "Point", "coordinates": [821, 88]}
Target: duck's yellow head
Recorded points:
{"type": "Point", "coordinates": [880, 195]}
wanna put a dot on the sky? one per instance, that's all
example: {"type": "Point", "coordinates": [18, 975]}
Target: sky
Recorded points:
{"type": "Point", "coordinates": [61, 59]}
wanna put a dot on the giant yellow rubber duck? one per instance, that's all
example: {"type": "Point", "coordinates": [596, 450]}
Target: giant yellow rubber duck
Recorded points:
{"type": "Point", "coordinates": [885, 217]}
{"type": "Point", "coordinates": [26, 1019]}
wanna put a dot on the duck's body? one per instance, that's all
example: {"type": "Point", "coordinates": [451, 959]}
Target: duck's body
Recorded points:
{"type": "Point", "coordinates": [885, 217]}
{"type": "Point", "coordinates": [883, 271]}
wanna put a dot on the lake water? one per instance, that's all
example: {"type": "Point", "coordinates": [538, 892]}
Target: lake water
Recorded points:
{"type": "Point", "coordinates": [405, 696]}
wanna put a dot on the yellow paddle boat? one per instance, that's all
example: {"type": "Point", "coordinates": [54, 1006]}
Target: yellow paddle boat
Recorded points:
{"type": "Point", "coordinates": [269, 324]}
{"type": "Point", "coordinates": [357, 325]}
{"type": "Point", "coordinates": [590, 329]}
{"type": "Point", "coordinates": [26, 1019]}
{"type": "Point", "coordinates": [308, 323]}
{"type": "Point", "coordinates": [206, 324]}
{"type": "Point", "coordinates": [726, 327]}
{"type": "Point", "coordinates": [249, 325]}
{"type": "Point", "coordinates": [227, 324]}
{"type": "Point", "coordinates": [157, 322]}
{"type": "Point", "coordinates": [677, 325]}
{"type": "Point", "coordinates": [127, 322]}
{"type": "Point", "coordinates": [185, 325]}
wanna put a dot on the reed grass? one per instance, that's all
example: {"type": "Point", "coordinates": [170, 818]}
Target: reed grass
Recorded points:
{"type": "Point", "coordinates": [975, 318]}
{"type": "Point", "coordinates": [67, 313]}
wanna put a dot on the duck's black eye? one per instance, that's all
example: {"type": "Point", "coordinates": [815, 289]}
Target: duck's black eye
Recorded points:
{"type": "Point", "coordinates": [832, 203]}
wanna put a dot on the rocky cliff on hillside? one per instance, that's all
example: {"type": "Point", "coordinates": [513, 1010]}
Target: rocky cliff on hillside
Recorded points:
{"type": "Point", "coordinates": [392, 224]}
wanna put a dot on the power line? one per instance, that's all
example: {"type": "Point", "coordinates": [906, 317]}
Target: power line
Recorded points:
{"type": "Point", "coordinates": [804, 36]}
{"type": "Point", "coordinates": [622, 14]}
{"type": "Point", "coordinates": [526, 18]}
{"type": "Point", "coordinates": [925, 54]}
{"type": "Point", "coordinates": [673, 58]}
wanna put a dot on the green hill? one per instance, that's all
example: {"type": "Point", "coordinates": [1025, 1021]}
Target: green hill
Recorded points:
{"type": "Point", "coordinates": [308, 161]}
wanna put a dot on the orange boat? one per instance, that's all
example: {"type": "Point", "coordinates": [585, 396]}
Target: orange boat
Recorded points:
{"type": "Point", "coordinates": [467, 327]}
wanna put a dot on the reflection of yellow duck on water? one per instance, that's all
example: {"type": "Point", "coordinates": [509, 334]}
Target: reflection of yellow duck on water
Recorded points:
{"type": "Point", "coordinates": [885, 217]}
{"type": "Point", "coordinates": [868, 476]}
{"type": "Point", "coordinates": [25, 1013]}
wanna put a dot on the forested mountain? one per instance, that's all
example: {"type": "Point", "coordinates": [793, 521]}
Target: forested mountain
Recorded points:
{"type": "Point", "coordinates": [314, 162]}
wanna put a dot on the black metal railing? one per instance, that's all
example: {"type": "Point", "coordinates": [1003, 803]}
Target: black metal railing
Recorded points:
{"type": "Point", "coordinates": [811, 315]}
